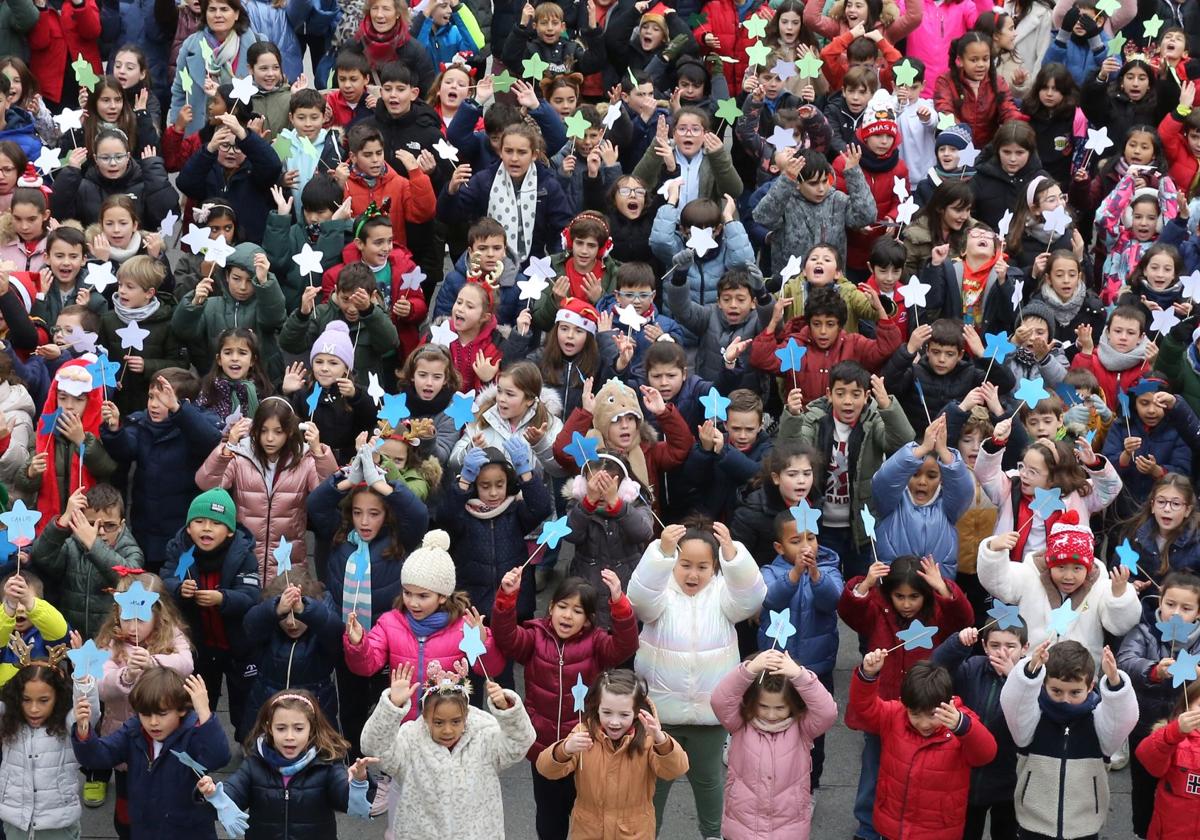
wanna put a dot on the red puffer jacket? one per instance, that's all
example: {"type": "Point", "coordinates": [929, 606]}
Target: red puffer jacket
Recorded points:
{"type": "Point", "coordinates": [1175, 759]}
{"type": "Point", "coordinates": [552, 665]}
{"type": "Point", "coordinates": [875, 618]}
{"type": "Point", "coordinates": [921, 790]}
{"type": "Point", "coordinates": [57, 38]}
{"type": "Point", "coordinates": [1184, 166]}
{"type": "Point", "coordinates": [882, 184]}
{"type": "Point", "coordinates": [984, 111]}
{"type": "Point", "coordinates": [723, 23]}
{"type": "Point", "coordinates": [401, 263]}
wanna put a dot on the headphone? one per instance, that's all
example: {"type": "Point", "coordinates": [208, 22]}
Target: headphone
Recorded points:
{"type": "Point", "coordinates": [568, 241]}
{"type": "Point", "coordinates": [1138, 195]}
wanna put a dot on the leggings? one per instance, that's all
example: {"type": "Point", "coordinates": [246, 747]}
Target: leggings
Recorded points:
{"type": "Point", "coordinates": [704, 746]}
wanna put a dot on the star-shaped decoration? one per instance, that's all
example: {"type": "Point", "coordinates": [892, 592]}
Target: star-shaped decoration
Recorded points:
{"type": "Point", "coordinates": [1127, 556]}
{"type": "Point", "coordinates": [394, 409]}
{"type": "Point", "coordinates": [553, 531]}
{"type": "Point", "coordinates": [472, 642]}
{"type": "Point", "coordinates": [1152, 27]}
{"type": "Point", "coordinates": [782, 138]}
{"type": "Point", "coordinates": [283, 556]}
{"type": "Point", "coordinates": [1123, 402]}
{"type": "Point", "coordinates": [411, 280]}
{"type": "Point", "coordinates": [69, 120]}
{"type": "Point", "coordinates": [612, 115]}
{"type": "Point", "coordinates": [1018, 293]}
{"type": "Point", "coordinates": [84, 74]}
{"type": "Point", "coordinates": [136, 603]}
{"type": "Point", "coordinates": [187, 560]}
{"type": "Point", "coordinates": [917, 635]}
{"type": "Point", "coordinates": [196, 238]}
{"type": "Point", "coordinates": [728, 110]}
{"type": "Point", "coordinates": [313, 399]}
{"type": "Point", "coordinates": [21, 523]}
{"type": "Point", "coordinates": [104, 372]}
{"type": "Point", "coordinates": [1184, 668]}
{"type": "Point", "coordinates": [532, 288]}
{"type": "Point", "coordinates": [997, 346]}
{"type": "Point", "coordinates": [665, 189]}
{"type": "Point", "coordinates": [806, 517]}
{"type": "Point", "coordinates": [758, 53]}
{"type": "Point", "coordinates": [790, 355]}
{"type": "Point", "coordinates": [716, 407]}
{"type": "Point", "coordinates": [1031, 391]}
{"type": "Point", "coordinates": [968, 156]}
{"type": "Point", "coordinates": [283, 148]}
{"type": "Point", "coordinates": [206, 52]}
{"type": "Point", "coordinates": [1062, 617]}
{"type": "Point", "coordinates": [133, 336]}
{"type": "Point", "coordinates": [243, 89]}
{"type": "Point", "coordinates": [503, 82]}
{"type": "Point", "coordinates": [1006, 617]}
{"type": "Point", "coordinates": [445, 150]}
{"type": "Point", "coordinates": [781, 628]}
{"type": "Point", "coordinates": [88, 661]}
{"type": "Point", "coordinates": [47, 160]}
{"type": "Point", "coordinates": [218, 250]}
{"type": "Point", "coordinates": [308, 260]}
{"type": "Point", "coordinates": [187, 83]}
{"type": "Point", "coordinates": [914, 291]}
{"type": "Point", "coordinates": [48, 421]}
{"type": "Point", "coordinates": [442, 334]}
{"type": "Point", "coordinates": [462, 408]}
{"type": "Point", "coordinates": [1067, 394]}
{"type": "Point", "coordinates": [701, 241]}
{"type": "Point", "coordinates": [80, 340]}
{"type": "Point", "coordinates": [1005, 224]}
{"type": "Point", "coordinates": [1108, 7]}
{"type": "Point", "coordinates": [1057, 220]}
{"type": "Point", "coordinates": [755, 26]}
{"type": "Point", "coordinates": [784, 69]}
{"type": "Point", "coordinates": [1047, 502]}
{"type": "Point", "coordinates": [189, 762]}
{"type": "Point", "coordinates": [868, 521]}
{"type": "Point", "coordinates": [99, 275]}
{"type": "Point", "coordinates": [1098, 140]}
{"type": "Point", "coordinates": [899, 189]}
{"type": "Point", "coordinates": [534, 67]}
{"type": "Point", "coordinates": [578, 694]}
{"type": "Point", "coordinates": [629, 317]}
{"type": "Point", "coordinates": [794, 267]}
{"type": "Point", "coordinates": [946, 121]}
{"type": "Point", "coordinates": [577, 125]}
{"type": "Point", "coordinates": [1191, 286]}
{"type": "Point", "coordinates": [906, 210]}
{"type": "Point", "coordinates": [307, 148]}
{"type": "Point", "coordinates": [167, 229]}
{"type": "Point", "coordinates": [1175, 629]}
{"type": "Point", "coordinates": [582, 449]}
{"type": "Point", "coordinates": [374, 389]}
{"type": "Point", "coordinates": [810, 65]}
{"type": "Point", "coordinates": [539, 267]}
{"type": "Point", "coordinates": [1116, 44]}
{"type": "Point", "coordinates": [1162, 320]}
{"type": "Point", "coordinates": [904, 73]}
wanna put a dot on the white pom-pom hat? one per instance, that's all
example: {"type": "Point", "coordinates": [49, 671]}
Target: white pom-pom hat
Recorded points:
{"type": "Point", "coordinates": [430, 566]}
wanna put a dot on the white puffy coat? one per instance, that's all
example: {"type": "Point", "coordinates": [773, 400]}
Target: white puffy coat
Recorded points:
{"type": "Point", "coordinates": [40, 776]}
{"type": "Point", "coordinates": [17, 408]}
{"type": "Point", "coordinates": [688, 642]}
{"type": "Point", "coordinates": [495, 430]}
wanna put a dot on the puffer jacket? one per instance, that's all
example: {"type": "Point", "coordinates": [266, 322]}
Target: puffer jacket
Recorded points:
{"type": "Point", "coordinates": [63, 32]}
{"type": "Point", "coordinates": [17, 407]}
{"type": "Point", "coordinates": [40, 775]}
{"type": "Point", "coordinates": [908, 528]}
{"type": "Point", "coordinates": [392, 643]}
{"type": "Point", "coordinates": [767, 785]}
{"type": "Point", "coordinates": [813, 606]}
{"type": "Point", "coordinates": [936, 807]}
{"type": "Point", "coordinates": [983, 110]}
{"type": "Point", "coordinates": [552, 664]}
{"type": "Point", "coordinates": [1183, 554]}
{"type": "Point", "coordinates": [1142, 649]}
{"type": "Point", "coordinates": [278, 24]}
{"type": "Point", "coordinates": [84, 579]}
{"type": "Point", "coordinates": [688, 643]}
{"type": "Point", "coordinates": [753, 523]}
{"type": "Point", "coordinates": [202, 178]}
{"type": "Point", "coordinates": [239, 583]}
{"type": "Point", "coordinates": [79, 194]}
{"type": "Point", "coordinates": [1172, 757]}
{"type": "Point", "coordinates": [270, 507]}
{"type": "Point", "coordinates": [996, 191]}
{"type": "Point", "coordinates": [1168, 443]}
{"type": "Point", "coordinates": [1179, 361]}
{"type": "Point", "coordinates": [940, 24]}
{"type": "Point", "coordinates": [161, 349]}
{"type": "Point", "coordinates": [496, 430]}
{"type": "Point", "coordinates": [115, 685]}
{"type": "Point", "coordinates": [400, 262]}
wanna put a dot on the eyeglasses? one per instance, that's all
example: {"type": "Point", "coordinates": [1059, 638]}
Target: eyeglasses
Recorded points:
{"type": "Point", "coordinates": [8, 170]}
{"type": "Point", "coordinates": [1169, 504]}
{"type": "Point", "coordinates": [689, 130]}
{"type": "Point", "coordinates": [624, 192]}
{"type": "Point", "coordinates": [227, 147]}
{"type": "Point", "coordinates": [635, 296]}
{"type": "Point", "coordinates": [105, 527]}
{"type": "Point", "coordinates": [115, 158]}
{"type": "Point", "coordinates": [1025, 469]}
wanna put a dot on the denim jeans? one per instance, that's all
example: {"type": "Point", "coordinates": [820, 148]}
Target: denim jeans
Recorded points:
{"type": "Point", "coordinates": [864, 800]}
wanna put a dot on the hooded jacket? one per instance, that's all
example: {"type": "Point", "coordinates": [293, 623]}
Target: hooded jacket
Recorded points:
{"type": "Point", "coordinates": [813, 610]}
{"type": "Point", "coordinates": [400, 262]}
{"type": "Point", "coordinates": [1141, 651]}
{"type": "Point", "coordinates": [508, 305]}
{"type": "Point", "coordinates": [20, 129]}
{"type": "Point", "coordinates": [1169, 443]}
{"type": "Point", "coordinates": [812, 377]}
{"type": "Point", "coordinates": [284, 237]}
{"type": "Point", "coordinates": [79, 194]}
{"type": "Point", "coordinates": [161, 349]}
{"type": "Point", "coordinates": [496, 430]}
{"type": "Point", "coordinates": [903, 377]}
{"type": "Point", "coordinates": [733, 251]}
{"type": "Point", "coordinates": [373, 336]}
{"type": "Point", "coordinates": [983, 110]}
{"type": "Point", "coordinates": [410, 197]}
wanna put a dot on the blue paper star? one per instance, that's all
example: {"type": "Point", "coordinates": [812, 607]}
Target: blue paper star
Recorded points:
{"type": "Point", "coordinates": [136, 602]}
{"type": "Point", "coordinates": [187, 761]}
{"type": "Point", "coordinates": [1062, 617]}
{"type": "Point", "coordinates": [49, 421]}
{"type": "Point", "coordinates": [88, 661]}
{"type": "Point", "coordinates": [1031, 391]}
{"type": "Point", "coordinates": [579, 693]}
{"type": "Point", "coordinates": [472, 643]}
{"type": "Point", "coordinates": [781, 628]}
{"type": "Point", "coordinates": [186, 560]}
{"type": "Point", "coordinates": [6, 547]}
{"type": "Point", "coordinates": [1067, 394]}
{"type": "Point", "coordinates": [1090, 437]}
{"type": "Point", "coordinates": [1123, 402]}
{"type": "Point", "coordinates": [1047, 502]}
{"type": "Point", "coordinates": [314, 399]}
{"type": "Point", "coordinates": [582, 449]}
{"type": "Point", "coordinates": [21, 523]}
{"type": "Point", "coordinates": [715, 406]}
{"type": "Point", "coordinates": [461, 409]}
{"type": "Point", "coordinates": [868, 521]}
{"type": "Point", "coordinates": [283, 556]}
{"type": "Point", "coordinates": [553, 532]}
{"type": "Point", "coordinates": [395, 409]}
{"type": "Point", "coordinates": [104, 372]}
{"type": "Point", "coordinates": [1146, 386]}
{"type": "Point", "coordinates": [1128, 556]}
{"type": "Point", "coordinates": [1007, 617]}
{"type": "Point", "coordinates": [917, 636]}
{"type": "Point", "coordinates": [1175, 629]}
{"type": "Point", "coordinates": [998, 346]}
{"type": "Point", "coordinates": [1184, 668]}
{"type": "Point", "coordinates": [790, 356]}
{"type": "Point", "coordinates": [921, 393]}
{"type": "Point", "coordinates": [806, 517]}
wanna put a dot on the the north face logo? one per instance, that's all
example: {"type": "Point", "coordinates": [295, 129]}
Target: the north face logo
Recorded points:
{"type": "Point", "coordinates": [216, 508]}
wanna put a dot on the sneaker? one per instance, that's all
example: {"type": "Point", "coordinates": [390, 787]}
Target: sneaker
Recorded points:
{"type": "Point", "coordinates": [94, 794]}
{"type": "Point", "coordinates": [1120, 758]}
{"type": "Point", "coordinates": [383, 787]}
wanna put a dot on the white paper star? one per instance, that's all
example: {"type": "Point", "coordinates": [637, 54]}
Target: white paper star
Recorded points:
{"type": "Point", "coordinates": [1005, 224]}
{"type": "Point", "coordinates": [1097, 140]}
{"type": "Point", "coordinates": [133, 336]}
{"type": "Point", "coordinates": [196, 238]}
{"type": "Point", "coordinates": [539, 267]}
{"type": "Point", "coordinates": [1162, 320]}
{"type": "Point", "coordinates": [701, 241]}
{"type": "Point", "coordinates": [374, 389]}
{"type": "Point", "coordinates": [900, 188]}
{"type": "Point", "coordinates": [412, 280]}
{"type": "Point", "coordinates": [906, 211]}
{"type": "Point", "coordinates": [1018, 293]}
{"type": "Point", "coordinates": [784, 69]}
{"type": "Point", "coordinates": [100, 276]}
{"type": "Point", "coordinates": [442, 334]}
{"type": "Point", "coordinates": [782, 138]}
{"type": "Point", "coordinates": [446, 151]}
{"type": "Point", "coordinates": [218, 250]}
{"type": "Point", "coordinates": [665, 189]}
{"type": "Point", "coordinates": [48, 160]}
{"type": "Point", "coordinates": [532, 288]}
{"type": "Point", "coordinates": [968, 156]}
{"type": "Point", "coordinates": [243, 89]}
{"type": "Point", "coordinates": [1191, 286]}
{"type": "Point", "coordinates": [69, 119]}
{"type": "Point", "coordinates": [914, 291]}
{"type": "Point", "coordinates": [612, 115]}
{"type": "Point", "coordinates": [308, 260]}
{"type": "Point", "coordinates": [1056, 220]}
{"type": "Point", "coordinates": [794, 268]}
{"type": "Point", "coordinates": [170, 221]}
{"type": "Point", "coordinates": [629, 316]}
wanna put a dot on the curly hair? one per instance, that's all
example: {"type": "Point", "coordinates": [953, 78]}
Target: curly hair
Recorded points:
{"type": "Point", "coordinates": [13, 717]}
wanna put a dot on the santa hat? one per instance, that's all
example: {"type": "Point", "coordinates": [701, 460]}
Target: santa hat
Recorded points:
{"type": "Point", "coordinates": [580, 313]}
{"type": "Point", "coordinates": [1070, 542]}
{"type": "Point", "coordinates": [28, 287]}
{"type": "Point", "coordinates": [880, 117]}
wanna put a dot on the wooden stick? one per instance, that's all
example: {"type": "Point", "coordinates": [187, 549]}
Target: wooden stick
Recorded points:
{"type": "Point", "coordinates": [291, 613]}
{"type": "Point", "coordinates": [531, 556]}
{"type": "Point", "coordinates": [928, 631]}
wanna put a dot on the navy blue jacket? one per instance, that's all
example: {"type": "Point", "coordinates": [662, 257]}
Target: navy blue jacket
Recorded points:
{"type": "Point", "coordinates": [162, 792]}
{"type": "Point", "coordinates": [239, 583]}
{"type": "Point", "coordinates": [508, 307]}
{"type": "Point", "coordinates": [249, 190]}
{"type": "Point", "coordinates": [475, 148]}
{"type": "Point", "coordinates": [1142, 649]}
{"type": "Point", "coordinates": [712, 480]}
{"type": "Point", "coordinates": [168, 454]}
{"type": "Point", "coordinates": [813, 610]}
{"type": "Point", "coordinates": [1184, 552]}
{"type": "Point", "coordinates": [1170, 442]}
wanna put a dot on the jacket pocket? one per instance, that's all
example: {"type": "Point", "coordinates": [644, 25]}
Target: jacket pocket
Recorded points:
{"type": "Point", "coordinates": [1025, 785]}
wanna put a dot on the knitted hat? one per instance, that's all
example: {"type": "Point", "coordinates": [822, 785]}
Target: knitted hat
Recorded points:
{"type": "Point", "coordinates": [430, 566]}
{"type": "Point", "coordinates": [335, 341]}
{"type": "Point", "coordinates": [215, 504]}
{"type": "Point", "coordinates": [656, 15]}
{"type": "Point", "coordinates": [880, 117]}
{"type": "Point", "coordinates": [1070, 542]}
{"type": "Point", "coordinates": [579, 312]}
{"type": "Point", "coordinates": [958, 136]}
{"type": "Point", "coordinates": [1037, 309]}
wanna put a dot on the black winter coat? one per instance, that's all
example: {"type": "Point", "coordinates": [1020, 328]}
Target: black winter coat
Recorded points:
{"type": "Point", "coordinates": [753, 522]}
{"type": "Point", "coordinates": [996, 191]}
{"type": "Point", "coordinates": [79, 194]}
{"type": "Point", "coordinates": [248, 189]}
{"type": "Point", "coordinates": [419, 128]}
{"type": "Point", "coordinates": [239, 584]}
{"type": "Point", "coordinates": [339, 419]}
{"type": "Point", "coordinates": [899, 372]}
{"type": "Point", "coordinates": [1106, 104]}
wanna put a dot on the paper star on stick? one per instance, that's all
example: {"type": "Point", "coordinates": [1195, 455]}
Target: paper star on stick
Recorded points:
{"type": "Point", "coordinates": [701, 241]}
{"type": "Point", "coordinates": [577, 125]}
{"type": "Point", "coordinates": [868, 521]}
{"type": "Point", "coordinates": [806, 517]}
{"type": "Point", "coordinates": [998, 346]}
{"type": "Point", "coordinates": [84, 74]}
{"type": "Point", "coordinates": [578, 694]}
{"type": "Point", "coordinates": [532, 288]}
{"type": "Point", "coordinates": [612, 115]}
{"type": "Point", "coordinates": [914, 292]}
{"type": "Point", "coordinates": [1031, 391]}
{"type": "Point", "coordinates": [1127, 556]}
{"type": "Point", "coordinates": [1108, 7]}
{"type": "Point", "coordinates": [582, 449]}
{"type": "Point", "coordinates": [1005, 224]}
{"type": "Point", "coordinates": [442, 334]}
{"type": "Point", "coordinates": [47, 160]}
{"type": "Point", "coordinates": [755, 26]}
{"type": "Point", "coordinates": [1162, 320]}
{"type": "Point", "coordinates": [784, 69]}
{"type": "Point", "coordinates": [629, 316]}
{"type": "Point", "coordinates": [88, 661]}
{"type": "Point", "coordinates": [758, 53]}
{"type": "Point", "coordinates": [782, 138]}
{"type": "Point", "coordinates": [553, 532]}
{"type": "Point", "coordinates": [1047, 502]}
{"type": "Point", "coordinates": [187, 560]}
{"type": "Point", "coordinates": [1098, 140]}
{"type": "Point", "coordinates": [243, 89]}
{"type": "Point", "coordinates": [728, 110]}
{"type": "Point", "coordinates": [1062, 617]}
{"type": "Point", "coordinates": [218, 250]}
{"type": "Point", "coordinates": [1117, 44]}
{"type": "Point", "coordinates": [196, 238]}
{"type": "Point", "coordinates": [1018, 293]}
{"type": "Point", "coordinates": [810, 65]}
{"type": "Point", "coordinates": [308, 261]}
{"type": "Point", "coordinates": [781, 628]}
{"type": "Point", "coordinates": [790, 356]}
{"type": "Point", "coordinates": [1005, 616]}
{"type": "Point", "coordinates": [899, 189]}
{"type": "Point", "coordinates": [394, 409]}
{"type": "Point", "coordinates": [283, 556]}
{"type": "Point", "coordinates": [1191, 286]}
{"type": "Point", "coordinates": [946, 121]}
{"type": "Point", "coordinates": [539, 267]}
{"type": "Point", "coordinates": [665, 189]}
{"type": "Point", "coordinates": [1175, 629]}
{"type": "Point", "coordinates": [1056, 220]}
{"type": "Point", "coordinates": [21, 523]}
{"type": "Point", "coordinates": [136, 602]}
{"type": "Point", "coordinates": [503, 82]}
{"type": "Point", "coordinates": [534, 67]}
{"type": "Point", "coordinates": [793, 268]}
{"type": "Point", "coordinates": [716, 407]}
{"type": "Point", "coordinates": [100, 276]}
{"type": "Point", "coordinates": [314, 399]}
{"type": "Point", "coordinates": [169, 223]}
{"type": "Point", "coordinates": [1184, 668]}
{"type": "Point", "coordinates": [68, 120]}
{"type": "Point", "coordinates": [412, 280]}
{"type": "Point", "coordinates": [472, 643]}
{"type": "Point", "coordinates": [80, 340]}
{"type": "Point", "coordinates": [906, 210]}
{"type": "Point", "coordinates": [445, 150]}
{"type": "Point", "coordinates": [968, 156]}
{"type": "Point", "coordinates": [133, 336]}
{"type": "Point", "coordinates": [1152, 27]}
{"type": "Point", "coordinates": [462, 408]}
{"type": "Point", "coordinates": [904, 73]}
{"type": "Point", "coordinates": [917, 635]}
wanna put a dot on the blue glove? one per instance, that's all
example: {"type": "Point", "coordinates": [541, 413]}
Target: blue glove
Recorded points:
{"type": "Point", "coordinates": [475, 461]}
{"type": "Point", "coordinates": [358, 805]}
{"type": "Point", "coordinates": [520, 454]}
{"type": "Point", "coordinates": [233, 819]}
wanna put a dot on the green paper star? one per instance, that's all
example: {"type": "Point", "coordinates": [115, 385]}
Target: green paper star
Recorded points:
{"type": "Point", "coordinates": [632, 78]}
{"type": "Point", "coordinates": [84, 74]}
{"type": "Point", "coordinates": [905, 73]}
{"type": "Point", "coordinates": [696, 20]}
{"type": "Point", "coordinates": [728, 110]}
{"type": "Point", "coordinates": [1108, 7]}
{"type": "Point", "coordinates": [809, 66]}
{"type": "Point", "coordinates": [185, 79]}
{"type": "Point", "coordinates": [534, 67]}
{"type": "Point", "coordinates": [756, 27]}
{"type": "Point", "coordinates": [758, 53]}
{"type": "Point", "coordinates": [1117, 44]}
{"type": "Point", "coordinates": [206, 52]}
{"type": "Point", "coordinates": [283, 148]}
{"type": "Point", "coordinates": [946, 121]}
{"type": "Point", "coordinates": [307, 147]}
{"type": "Point", "coordinates": [1151, 27]}
{"type": "Point", "coordinates": [503, 82]}
{"type": "Point", "coordinates": [577, 125]}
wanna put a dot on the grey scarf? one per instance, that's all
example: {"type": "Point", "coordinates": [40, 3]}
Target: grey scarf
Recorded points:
{"type": "Point", "coordinates": [128, 314]}
{"type": "Point", "coordinates": [1115, 360]}
{"type": "Point", "coordinates": [1064, 310]}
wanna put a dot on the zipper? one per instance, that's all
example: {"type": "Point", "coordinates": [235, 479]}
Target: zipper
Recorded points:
{"type": "Point", "coordinates": [558, 729]}
{"type": "Point", "coordinates": [287, 797]}
{"type": "Point", "coordinates": [1062, 777]}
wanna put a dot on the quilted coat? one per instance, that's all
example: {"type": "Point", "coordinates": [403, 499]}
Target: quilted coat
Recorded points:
{"type": "Point", "coordinates": [553, 664]}
{"type": "Point", "coordinates": [813, 610]}
{"type": "Point", "coordinates": [114, 689]}
{"type": "Point", "coordinates": [1173, 757]}
{"type": "Point", "coordinates": [767, 783]}
{"type": "Point", "coordinates": [61, 35]}
{"type": "Point", "coordinates": [936, 807]}
{"type": "Point", "coordinates": [688, 642]}
{"type": "Point", "coordinates": [269, 509]}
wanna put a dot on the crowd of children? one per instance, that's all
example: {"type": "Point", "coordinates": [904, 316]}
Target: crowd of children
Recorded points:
{"type": "Point", "coordinates": [710, 326]}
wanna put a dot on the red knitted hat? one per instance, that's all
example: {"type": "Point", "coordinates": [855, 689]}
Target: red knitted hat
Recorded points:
{"type": "Point", "coordinates": [1070, 542]}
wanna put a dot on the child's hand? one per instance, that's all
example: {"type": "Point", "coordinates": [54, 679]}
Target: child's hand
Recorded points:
{"type": "Point", "coordinates": [138, 659]}
{"type": "Point", "coordinates": [1084, 453]}
{"type": "Point", "coordinates": [294, 378]}
{"type": "Point", "coordinates": [781, 306]}
{"type": "Point", "coordinates": [725, 540]}
{"type": "Point", "coordinates": [1038, 659]}
{"type": "Point", "coordinates": [734, 350]}
{"type": "Point", "coordinates": [76, 503]}
{"type": "Point", "coordinates": [184, 118]}
{"type": "Point", "coordinates": [1164, 400]}
{"type": "Point", "coordinates": [918, 337]}
{"type": "Point", "coordinates": [1120, 579]}
{"type": "Point", "coordinates": [1003, 430]}
{"type": "Point", "coordinates": [765, 663]}
{"type": "Point", "coordinates": [283, 206]}
{"type": "Point", "coordinates": [795, 402]}
{"type": "Point", "coordinates": [877, 572]}
{"type": "Point", "coordinates": [135, 364]}
{"type": "Point", "coordinates": [1187, 94]}
{"type": "Point", "coordinates": [290, 601]}
{"type": "Point", "coordinates": [932, 574]}
{"type": "Point", "coordinates": [485, 369]}
{"type": "Point", "coordinates": [626, 346]}
{"type": "Point", "coordinates": [1083, 338]}
{"type": "Point", "coordinates": [534, 434]}
{"type": "Point", "coordinates": [511, 582]}
{"type": "Point", "coordinates": [598, 484]}
{"type": "Point", "coordinates": [496, 694]}
{"type": "Point", "coordinates": [1159, 671]}
{"type": "Point", "coordinates": [1004, 542]}
{"type": "Point", "coordinates": [354, 631]}
{"type": "Point", "coordinates": [588, 397]}
{"type": "Point", "coordinates": [669, 540]}
{"type": "Point", "coordinates": [872, 663]}
{"type": "Point", "coordinates": [853, 155]}
{"type": "Point", "coordinates": [71, 428]}
{"type": "Point", "coordinates": [358, 770]}
{"type": "Point", "coordinates": [577, 742]}
{"type": "Point", "coordinates": [710, 437]}
{"type": "Point", "coordinates": [1108, 664]}
{"type": "Point", "coordinates": [83, 530]}
{"type": "Point", "coordinates": [610, 579]}
{"type": "Point", "coordinates": [653, 727]}
{"type": "Point", "coordinates": [524, 322]}
{"type": "Point", "coordinates": [312, 436]}
{"type": "Point", "coordinates": [460, 176]}
{"type": "Point", "coordinates": [37, 465]}
{"type": "Point", "coordinates": [198, 691]}
{"type": "Point", "coordinates": [206, 786]}
{"type": "Point", "coordinates": [472, 618]}
{"type": "Point", "coordinates": [973, 342]}
{"type": "Point", "coordinates": [1147, 465]}
{"type": "Point", "coordinates": [1151, 354]}
{"type": "Point", "coordinates": [1189, 721]}
{"type": "Point", "coordinates": [938, 255]}
{"type": "Point", "coordinates": [209, 597]}
{"type": "Point", "coordinates": [111, 415]}
{"type": "Point", "coordinates": [788, 667]}
{"type": "Point", "coordinates": [187, 589]}
{"type": "Point", "coordinates": [402, 686]}
{"type": "Point", "coordinates": [729, 209]}
{"type": "Point", "coordinates": [83, 717]}
{"type": "Point", "coordinates": [948, 715]}
{"type": "Point", "coordinates": [968, 636]}
{"type": "Point", "coordinates": [652, 399]}
{"type": "Point", "coordinates": [239, 430]}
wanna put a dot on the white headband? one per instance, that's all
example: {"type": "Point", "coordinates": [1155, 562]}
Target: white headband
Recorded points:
{"type": "Point", "coordinates": [1031, 190]}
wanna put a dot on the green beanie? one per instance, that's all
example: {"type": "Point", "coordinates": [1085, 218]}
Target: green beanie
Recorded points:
{"type": "Point", "coordinates": [215, 504]}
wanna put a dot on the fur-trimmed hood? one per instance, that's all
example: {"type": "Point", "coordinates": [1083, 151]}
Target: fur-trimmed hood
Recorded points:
{"type": "Point", "coordinates": [1079, 595]}
{"type": "Point", "coordinates": [549, 397]}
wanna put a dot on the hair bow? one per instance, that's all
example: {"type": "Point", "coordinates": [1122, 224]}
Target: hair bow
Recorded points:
{"type": "Point", "coordinates": [128, 571]}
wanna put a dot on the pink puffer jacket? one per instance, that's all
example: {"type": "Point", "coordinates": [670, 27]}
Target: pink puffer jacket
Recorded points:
{"type": "Point", "coordinates": [268, 513]}
{"type": "Point", "coordinates": [391, 643]}
{"type": "Point", "coordinates": [114, 692]}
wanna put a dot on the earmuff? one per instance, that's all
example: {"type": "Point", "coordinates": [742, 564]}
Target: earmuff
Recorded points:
{"type": "Point", "coordinates": [1138, 195]}
{"type": "Point", "coordinates": [568, 241]}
